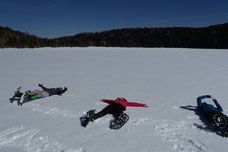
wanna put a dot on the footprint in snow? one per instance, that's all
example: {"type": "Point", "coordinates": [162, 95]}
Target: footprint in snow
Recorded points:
{"type": "Point", "coordinates": [29, 141]}
{"type": "Point", "coordinates": [183, 135]}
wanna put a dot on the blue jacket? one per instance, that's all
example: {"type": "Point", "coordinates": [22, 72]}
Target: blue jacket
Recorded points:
{"type": "Point", "coordinates": [204, 107]}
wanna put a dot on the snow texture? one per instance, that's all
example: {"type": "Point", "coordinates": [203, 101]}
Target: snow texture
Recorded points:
{"type": "Point", "coordinates": [168, 80]}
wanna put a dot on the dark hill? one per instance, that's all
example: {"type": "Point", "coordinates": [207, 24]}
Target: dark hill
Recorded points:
{"type": "Point", "coordinates": [215, 36]}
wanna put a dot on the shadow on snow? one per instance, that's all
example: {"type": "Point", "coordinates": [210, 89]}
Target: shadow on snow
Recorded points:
{"type": "Point", "coordinates": [207, 125]}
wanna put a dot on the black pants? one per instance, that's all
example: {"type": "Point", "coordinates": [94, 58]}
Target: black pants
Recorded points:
{"type": "Point", "coordinates": [113, 108]}
{"type": "Point", "coordinates": [210, 114]}
{"type": "Point", "coordinates": [18, 94]}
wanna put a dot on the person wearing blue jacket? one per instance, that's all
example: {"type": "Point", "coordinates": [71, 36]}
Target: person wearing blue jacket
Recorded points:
{"type": "Point", "coordinates": [205, 107]}
{"type": "Point", "coordinates": [214, 113]}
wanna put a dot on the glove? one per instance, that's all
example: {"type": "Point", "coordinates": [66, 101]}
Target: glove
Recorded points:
{"type": "Point", "coordinates": [65, 88]}
{"type": "Point", "coordinates": [208, 96]}
{"type": "Point", "coordinates": [40, 85]}
{"type": "Point", "coordinates": [146, 105]}
{"type": "Point", "coordinates": [214, 99]}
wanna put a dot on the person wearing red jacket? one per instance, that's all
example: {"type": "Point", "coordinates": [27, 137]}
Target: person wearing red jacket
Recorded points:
{"type": "Point", "coordinates": [116, 107]}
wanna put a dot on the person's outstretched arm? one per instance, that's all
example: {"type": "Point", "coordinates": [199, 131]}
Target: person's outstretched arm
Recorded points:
{"type": "Point", "coordinates": [200, 98]}
{"type": "Point", "coordinates": [44, 88]}
{"type": "Point", "coordinates": [219, 107]}
{"type": "Point", "coordinates": [134, 104]}
{"type": "Point", "coordinates": [107, 100]}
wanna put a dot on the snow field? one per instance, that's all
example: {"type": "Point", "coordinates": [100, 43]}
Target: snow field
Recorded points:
{"type": "Point", "coordinates": [168, 80]}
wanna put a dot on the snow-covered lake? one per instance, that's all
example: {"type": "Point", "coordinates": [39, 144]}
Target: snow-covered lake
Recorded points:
{"type": "Point", "coordinates": [168, 80]}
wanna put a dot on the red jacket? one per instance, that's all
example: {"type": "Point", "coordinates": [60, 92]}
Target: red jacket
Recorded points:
{"type": "Point", "coordinates": [124, 102]}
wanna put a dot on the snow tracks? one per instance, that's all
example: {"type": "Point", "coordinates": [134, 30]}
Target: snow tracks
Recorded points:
{"type": "Point", "coordinates": [29, 141]}
{"type": "Point", "coordinates": [181, 134]}
{"type": "Point", "coordinates": [55, 112]}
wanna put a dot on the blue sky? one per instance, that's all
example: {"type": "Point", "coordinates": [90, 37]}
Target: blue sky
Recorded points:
{"type": "Point", "coordinates": [55, 18]}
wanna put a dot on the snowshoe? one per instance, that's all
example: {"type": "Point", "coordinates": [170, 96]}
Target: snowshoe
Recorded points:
{"type": "Point", "coordinates": [120, 121]}
{"type": "Point", "coordinates": [17, 95]}
{"type": "Point", "coordinates": [12, 99]}
{"type": "Point", "coordinates": [221, 122]}
{"type": "Point", "coordinates": [86, 118]}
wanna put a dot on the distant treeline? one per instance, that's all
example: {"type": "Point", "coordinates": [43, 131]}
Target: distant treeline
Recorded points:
{"type": "Point", "coordinates": [207, 37]}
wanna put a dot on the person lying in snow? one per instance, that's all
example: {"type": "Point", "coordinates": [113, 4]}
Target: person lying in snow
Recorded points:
{"type": "Point", "coordinates": [115, 107]}
{"type": "Point", "coordinates": [214, 114]}
{"type": "Point", "coordinates": [37, 94]}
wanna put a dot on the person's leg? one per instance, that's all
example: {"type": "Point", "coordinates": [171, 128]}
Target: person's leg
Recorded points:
{"type": "Point", "coordinates": [120, 117]}
{"type": "Point", "coordinates": [18, 94]}
{"type": "Point", "coordinates": [210, 115]}
{"type": "Point", "coordinates": [91, 116]}
{"type": "Point", "coordinates": [32, 95]}
{"type": "Point", "coordinates": [117, 111]}
{"type": "Point", "coordinates": [113, 108]}
{"type": "Point", "coordinates": [107, 110]}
